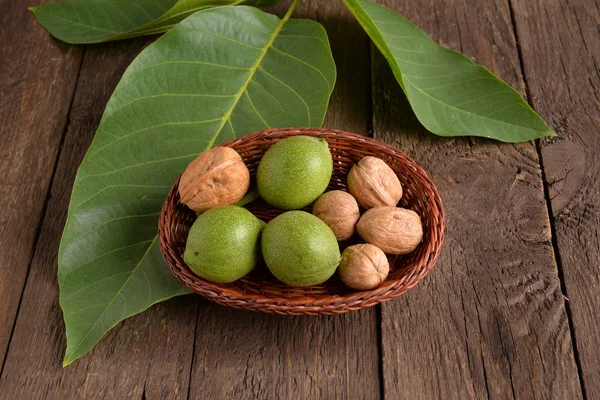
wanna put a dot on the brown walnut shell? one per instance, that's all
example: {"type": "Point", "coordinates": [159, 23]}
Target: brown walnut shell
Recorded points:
{"type": "Point", "coordinates": [374, 184]}
{"type": "Point", "coordinates": [363, 266]}
{"type": "Point", "coordinates": [339, 210]}
{"type": "Point", "coordinates": [216, 177]}
{"type": "Point", "coordinates": [394, 230]}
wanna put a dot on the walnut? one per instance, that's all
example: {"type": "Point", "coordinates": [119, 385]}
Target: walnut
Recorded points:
{"type": "Point", "coordinates": [374, 183]}
{"type": "Point", "coordinates": [363, 266]}
{"type": "Point", "coordinates": [339, 211]}
{"type": "Point", "coordinates": [216, 177]}
{"type": "Point", "coordinates": [394, 230]}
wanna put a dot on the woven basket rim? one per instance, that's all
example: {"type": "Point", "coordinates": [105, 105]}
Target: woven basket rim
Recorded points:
{"type": "Point", "coordinates": [235, 296]}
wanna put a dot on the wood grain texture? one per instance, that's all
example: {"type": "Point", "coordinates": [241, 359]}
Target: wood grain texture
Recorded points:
{"type": "Point", "coordinates": [37, 87]}
{"type": "Point", "coordinates": [490, 320]}
{"type": "Point", "coordinates": [245, 355]}
{"type": "Point", "coordinates": [560, 42]}
{"type": "Point", "coordinates": [148, 355]}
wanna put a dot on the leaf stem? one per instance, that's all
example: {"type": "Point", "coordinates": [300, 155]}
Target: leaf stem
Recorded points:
{"type": "Point", "coordinates": [289, 12]}
{"type": "Point", "coordinates": [248, 198]}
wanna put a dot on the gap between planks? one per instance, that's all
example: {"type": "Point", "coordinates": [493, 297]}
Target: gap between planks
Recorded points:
{"type": "Point", "coordinates": [44, 208]}
{"type": "Point", "coordinates": [503, 336]}
{"type": "Point", "coordinates": [551, 217]}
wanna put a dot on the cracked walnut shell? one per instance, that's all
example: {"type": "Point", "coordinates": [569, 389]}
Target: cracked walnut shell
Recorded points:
{"type": "Point", "coordinates": [363, 266]}
{"type": "Point", "coordinates": [374, 184]}
{"type": "Point", "coordinates": [216, 177]}
{"type": "Point", "coordinates": [394, 230]}
{"type": "Point", "coordinates": [339, 210]}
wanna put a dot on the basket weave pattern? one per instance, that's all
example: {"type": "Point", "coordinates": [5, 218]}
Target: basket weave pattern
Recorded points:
{"type": "Point", "coordinates": [260, 291]}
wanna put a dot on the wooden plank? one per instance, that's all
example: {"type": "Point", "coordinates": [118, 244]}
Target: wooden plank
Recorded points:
{"type": "Point", "coordinates": [147, 355]}
{"type": "Point", "coordinates": [490, 320]}
{"type": "Point", "coordinates": [560, 45]}
{"type": "Point", "coordinates": [245, 355]}
{"type": "Point", "coordinates": [37, 77]}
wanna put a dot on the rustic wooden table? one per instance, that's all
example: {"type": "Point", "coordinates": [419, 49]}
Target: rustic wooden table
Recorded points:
{"type": "Point", "coordinates": [510, 311]}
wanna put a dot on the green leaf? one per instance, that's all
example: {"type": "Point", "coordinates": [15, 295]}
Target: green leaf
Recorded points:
{"type": "Point", "coordinates": [450, 95]}
{"type": "Point", "coordinates": [94, 21]}
{"type": "Point", "coordinates": [221, 73]}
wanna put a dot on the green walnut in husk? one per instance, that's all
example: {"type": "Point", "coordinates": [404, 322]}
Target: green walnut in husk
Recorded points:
{"type": "Point", "coordinates": [300, 249]}
{"type": "Point", "coordinates": [294, 172]}
{"type": "Point", "coordinates": [223, 244]}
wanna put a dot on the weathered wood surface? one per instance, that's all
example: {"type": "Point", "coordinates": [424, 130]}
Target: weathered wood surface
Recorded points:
{"type": "Point", "coordinates": [37, 81]}
{"type": "Point", "coordinates": [148, 353]}
{"type": "Point", "coordinates": [560, 43]}
{"type": "Point", "coordinates": [489, 321]}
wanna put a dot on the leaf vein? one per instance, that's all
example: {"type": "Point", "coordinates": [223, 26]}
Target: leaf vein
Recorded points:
{"type": "Point", "coordinates": [468, 112]}
{"type": "Point", "coordinates": [112, 301]}
{"type": "Point", "coordinates": [256, 111]}
{"type": "Point", "coordinates": [113, 220]}
{"type": "Point", "coordinates": [290, 88]}
{"type": "Point", "coordinates": [100, 256]}
{"type": "Point", "coordinates": [302, 62]}
{"type": "Point", "coordinates": [92, 285]}
{"type": "Point", "coordinates": [152, 127]}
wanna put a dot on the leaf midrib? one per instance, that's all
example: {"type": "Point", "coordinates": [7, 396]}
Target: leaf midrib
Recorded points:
{"type": "Point", "coordinates": [226, 118]}
{"type": "Point", "coordinates": [469, 112]}
{"type": "Point", "coordinates": [253, 72]}
{"type": "Point", "coordinates": [92, 27]}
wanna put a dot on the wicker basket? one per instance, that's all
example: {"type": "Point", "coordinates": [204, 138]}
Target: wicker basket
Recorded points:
{"type": "Point", "coordinates": [260, 291]}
